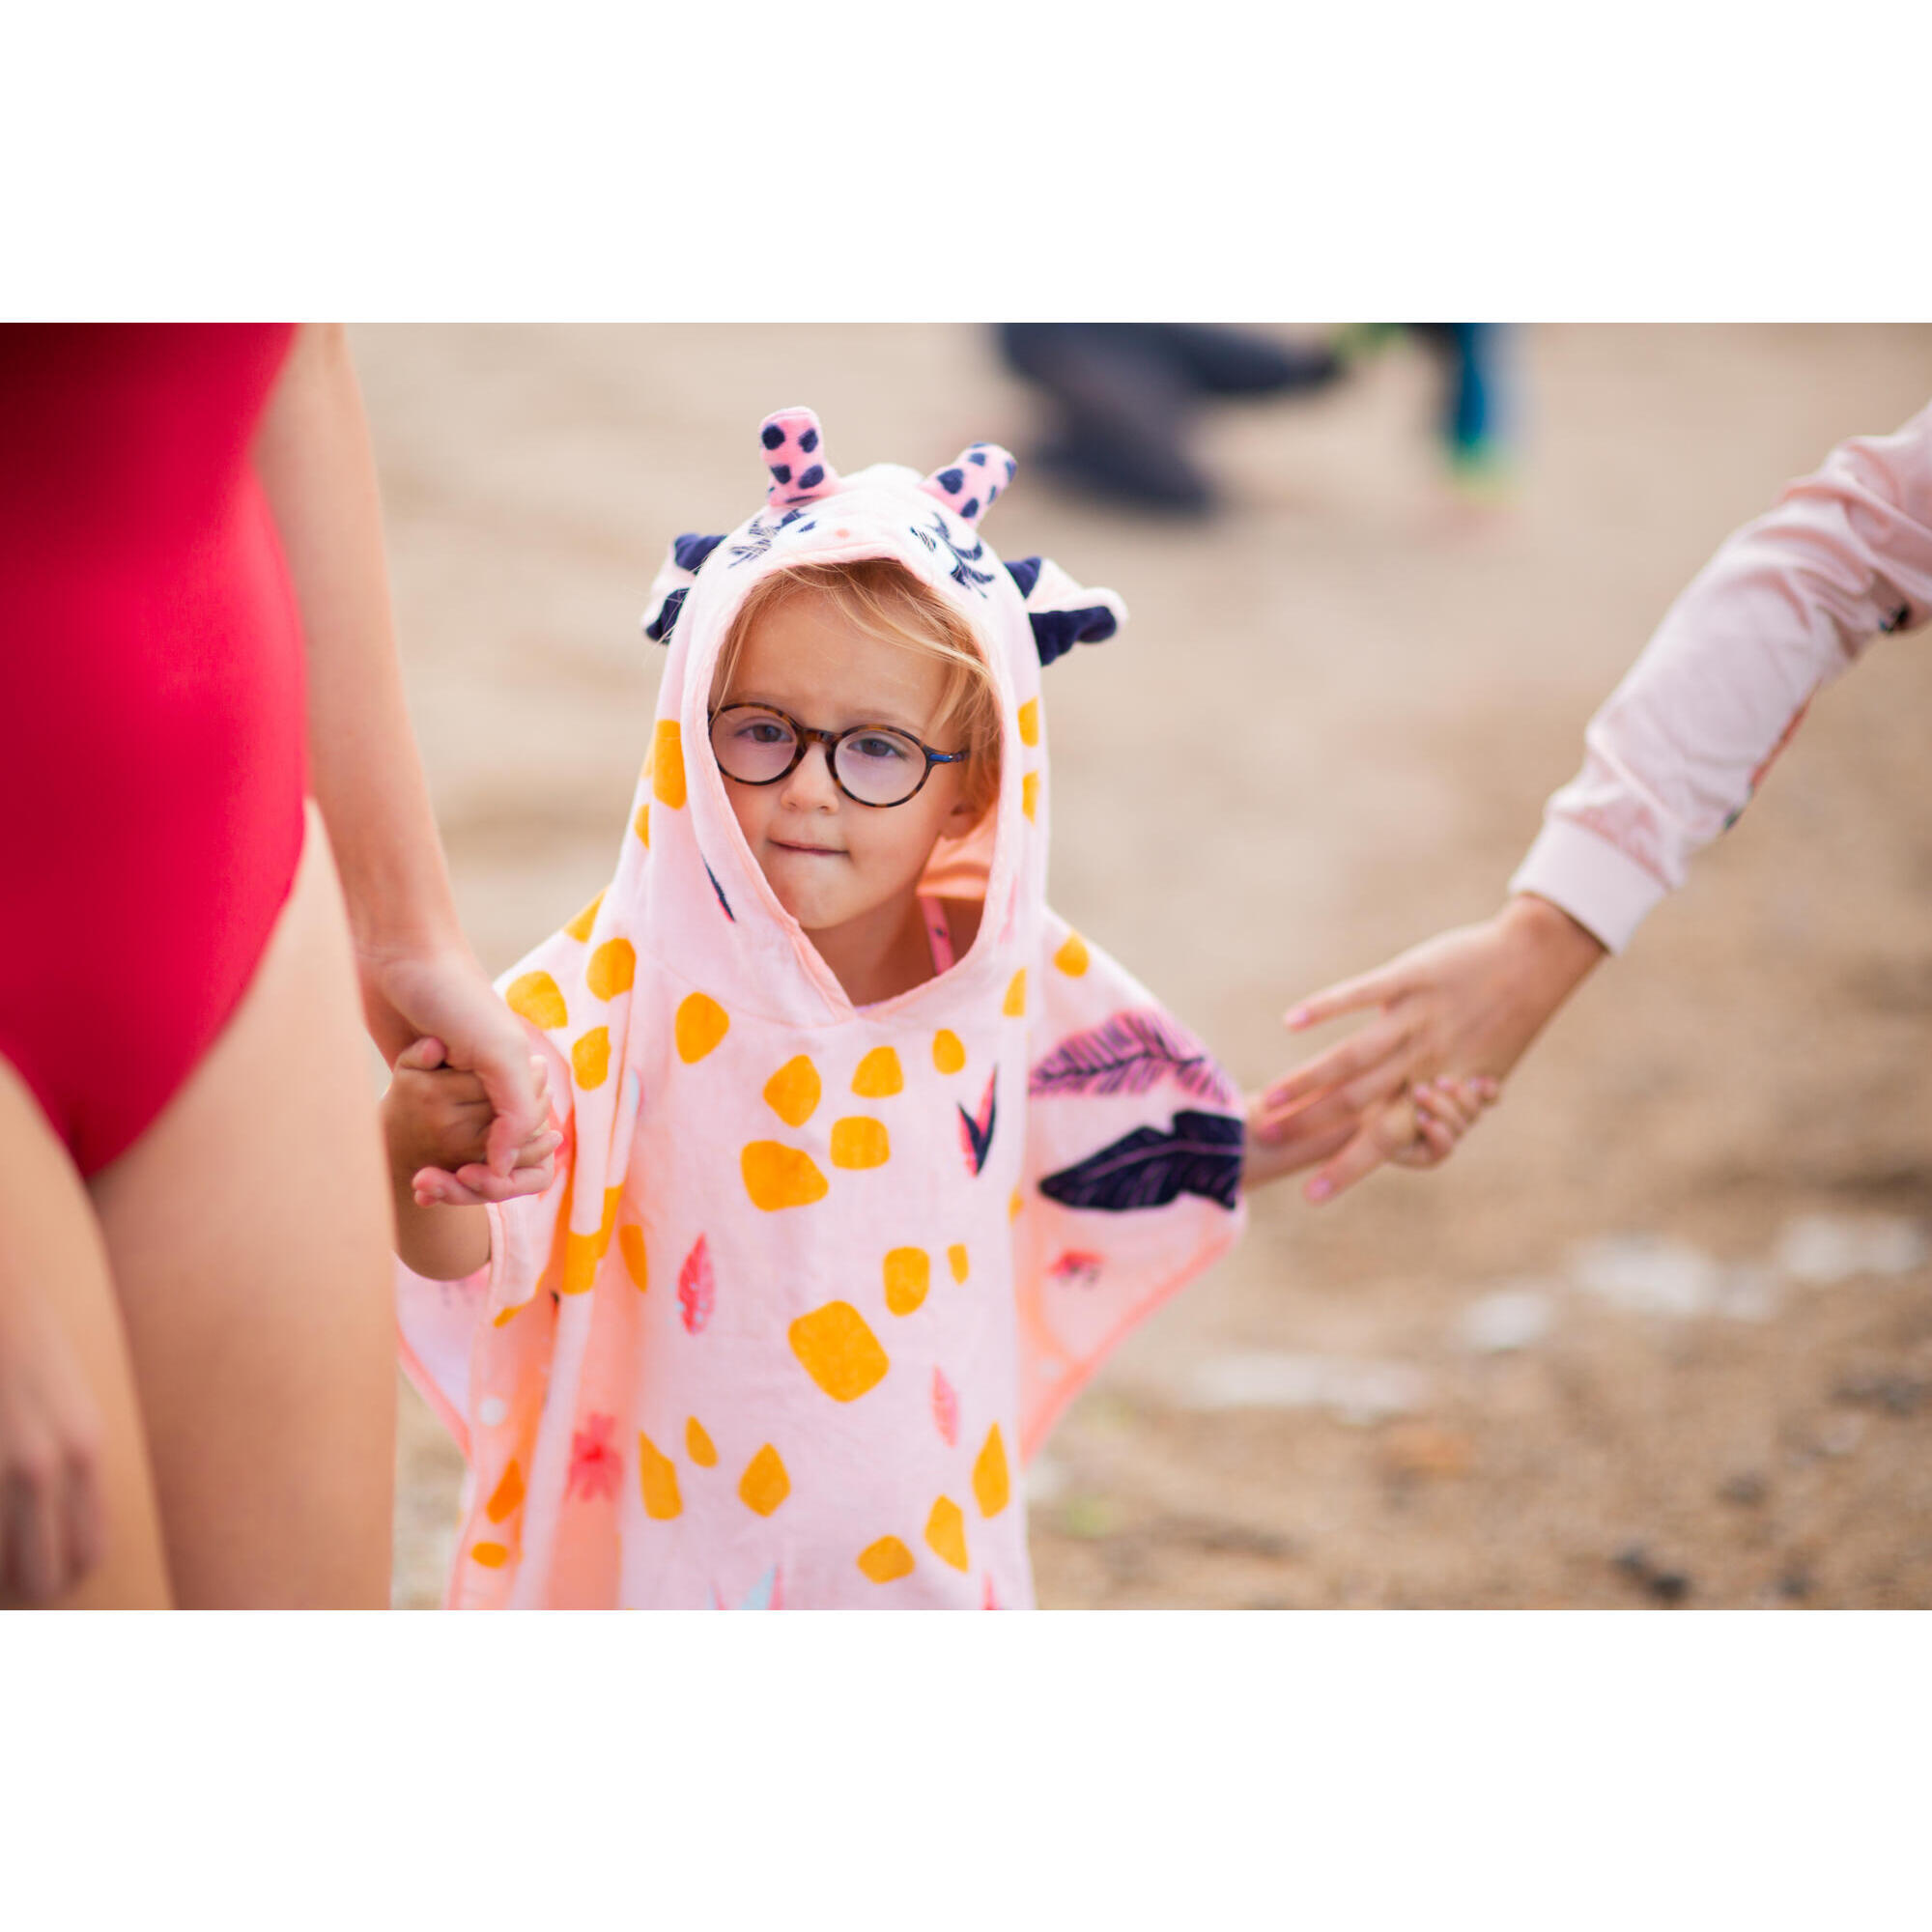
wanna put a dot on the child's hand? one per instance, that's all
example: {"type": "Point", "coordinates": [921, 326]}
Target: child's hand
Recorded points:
{"type": "Point", "coordinates": [1417, 1129]}
{"type": "Point", "coordinates": [437, 1124]}
{"type": "Point", "coordinates": [1444, 1111]}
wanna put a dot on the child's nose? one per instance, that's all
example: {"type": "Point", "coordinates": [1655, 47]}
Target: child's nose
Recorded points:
{"type": "Point", "coordinates": [812, 783]}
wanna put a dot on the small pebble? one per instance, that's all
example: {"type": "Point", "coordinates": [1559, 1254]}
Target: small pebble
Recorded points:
{"type": "Point", "coordinates": [1747, 1488]}
{"type": "Point", "coordinates": [1668, 1586]}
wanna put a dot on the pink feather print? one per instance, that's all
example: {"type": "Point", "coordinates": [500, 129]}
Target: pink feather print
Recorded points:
{"type": "Point", "coordinates": [1076, 1267]}
{"type": "Point", "coordinates": [1127, 1053]}
{"type": "Point", "coordinates": [595, 1463]}
{"type": "Point", "coordinates": [945, 1407]}
{"type": "Point", "coordinates": [697, 1288]}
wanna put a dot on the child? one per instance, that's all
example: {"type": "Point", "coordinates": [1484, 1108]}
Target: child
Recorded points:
{"type": "Point", "coordinates": [866, 1157]}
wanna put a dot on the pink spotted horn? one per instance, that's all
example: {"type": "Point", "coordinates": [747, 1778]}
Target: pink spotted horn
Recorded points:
{"type": "Point", "coordinates": [968, 485]}
{"type": "Point", "coordinates": [795, 455]}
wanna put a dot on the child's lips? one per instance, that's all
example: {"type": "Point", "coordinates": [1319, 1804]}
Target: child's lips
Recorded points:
{"type": "Point", "coordinates": [808, 851]}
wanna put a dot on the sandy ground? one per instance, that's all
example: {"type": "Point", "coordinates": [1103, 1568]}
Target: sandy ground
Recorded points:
{"type": "Point", "coordinates": [1326, 733]}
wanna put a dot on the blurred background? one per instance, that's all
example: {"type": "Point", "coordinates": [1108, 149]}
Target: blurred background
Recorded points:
{"type": "Point", "coordinates": [1662, 1331]}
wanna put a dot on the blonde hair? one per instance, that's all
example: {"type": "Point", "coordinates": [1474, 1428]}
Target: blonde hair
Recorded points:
{"type": "Point", "coordinates": [881, 598]}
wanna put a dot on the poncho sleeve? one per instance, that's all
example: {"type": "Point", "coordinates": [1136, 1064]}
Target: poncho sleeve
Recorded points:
{"type": "Point", "coordinates": [1133, 1170]}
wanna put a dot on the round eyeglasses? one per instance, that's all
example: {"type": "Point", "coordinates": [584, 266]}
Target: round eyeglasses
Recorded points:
{"type": "Point", "coordinates": [872, 765]}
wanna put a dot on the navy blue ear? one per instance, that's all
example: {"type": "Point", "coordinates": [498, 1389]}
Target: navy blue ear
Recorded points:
{"type": "Point", "coordinates": [1063, 614]}
{"type": "Point", "coordinates": [668, 590]}
{"type": "Point", "coordinates": [1055, 633]}
{"type": "Point", "coordinates": [658, 624]}
{"type": "Point", "coordinates": [691, 550]}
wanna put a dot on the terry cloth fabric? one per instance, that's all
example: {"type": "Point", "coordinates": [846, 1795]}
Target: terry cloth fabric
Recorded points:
{"type": "Point", "coordinates": [1682, 744]}
{"type": "Point", "coordinates": [814, 1280]}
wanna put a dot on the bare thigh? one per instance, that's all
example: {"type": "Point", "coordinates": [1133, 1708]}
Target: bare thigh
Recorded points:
{"type": "Point", "coordinates": [248, 1236]}
{"type": "Point", "coordinates": [53, 1251]}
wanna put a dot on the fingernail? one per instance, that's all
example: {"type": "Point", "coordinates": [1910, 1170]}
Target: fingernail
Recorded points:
{"type": "Point", "coordinates": [1300, 1018]}
{"type": "Point", "coordinates": [1320, 1188]}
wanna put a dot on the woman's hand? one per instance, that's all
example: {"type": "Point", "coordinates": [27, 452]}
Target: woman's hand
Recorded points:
{"type": "Point", "coordinates": [51, 1516]}
{"type": "Point", "coordinates": [1466, 1003]}
{"type": "Point", "coordinates": [446, 998]}
{"type": "Point", "coordinates": [436, 1122]}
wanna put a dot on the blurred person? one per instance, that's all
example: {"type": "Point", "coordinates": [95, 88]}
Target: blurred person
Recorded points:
{"type": "Point", "coordinates": [1672, 759]}
{"type": "Point", "coordinates": [206, 751]}
{"type": "Point", "coordinates": [1477, 367]}
{"type": "Point", "coordinates": [865, 1158]}
{"type": "Point", "coordinates": [1123, 398]}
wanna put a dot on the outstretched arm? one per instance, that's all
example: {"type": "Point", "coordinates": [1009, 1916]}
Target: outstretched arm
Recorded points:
{"type": "Point", "coordinates": [418, 975]}
{"type": "Point", "coordinates": [1672, 759]}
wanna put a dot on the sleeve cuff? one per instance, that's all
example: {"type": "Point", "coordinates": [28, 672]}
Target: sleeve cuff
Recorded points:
{"type": "Point", "coordinates": [1596, 883]}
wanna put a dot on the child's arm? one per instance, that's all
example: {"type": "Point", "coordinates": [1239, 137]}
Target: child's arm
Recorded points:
{"type": "Point", "coordinates": [1419, 1131]}
{"type": "Point", "coordinates": [436, 1118]}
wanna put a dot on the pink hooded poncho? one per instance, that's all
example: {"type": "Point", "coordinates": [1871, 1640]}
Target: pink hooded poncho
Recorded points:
{"type": "Point", "coordinates": [814, 1280]}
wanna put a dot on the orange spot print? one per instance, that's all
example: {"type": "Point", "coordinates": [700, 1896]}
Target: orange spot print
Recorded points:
{"type": "Point", "coordinates": [946, 1533]}
{"type": "Point", "coordinates": [792, 1091]}
{"type": "Point", "coordinates": [641, 823]}
{"type": "Point", "coordinates": [887, 1560]}
{"type": "Point", "coordinates": [776, 1176]}
{"type": "Point", "coordinates": [1014, 1006]}
{"type": "Point", "coordinates": [508, 1494]}
{"type": "Point", "coordinates": [840, 1352]}
{"type": "Point", "coordinates": [631, 1243]}
{"type": "Point", "coordinates": [612, 1197]}
{"type": "Point", "coordinates": [955, 1256]}
{"type": "Point", "coordinates": [611, 969]}
{"type": "Point", "coordinates": [697, 1445]}
{"type": "Point", "coordinates": [508, 1314]}
{"type": "Point", "coordinates": [1073, 958]}
{"type": "Point", "coordinates": [1014, 1206]}
{"type": "Point", "coordinates": [492, 1556]}
{"type": "Point", "coordinates": [535, 998]}
{"type": "Point", "coordinates": [989, 1475]}
{"type": "Point", "coordinates": [590, 1058]}
{"type": "Point", "coordinates": [860, 1141]}
{"type": "Point", "coordinates": [656, 1477]}
{"type": "Point", "coordinates": [948, 1054]}
{"type": "Point", "coordinates": [878, 1077]}
{"type": "Point", "coordinates": [581, 1256]}
{"type": "Point", "coordinates": [908, 1276]}
{"type": "Point", "coordinates": [764, 1485]}
{"type": "Point", "coordinates": [579, 926]}
{"type": "Point", "coordinates": [1030, 794]}
{"type": "Point", "coordinates": [1030, 722]}
{"type": "Point", "coordinates": [667, 764]}
{"type": "Point", "coordinates": [702, 1023]}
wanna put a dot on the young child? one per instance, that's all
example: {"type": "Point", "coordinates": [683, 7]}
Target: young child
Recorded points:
{"type": "Point", "coordinates": [865, 1157]}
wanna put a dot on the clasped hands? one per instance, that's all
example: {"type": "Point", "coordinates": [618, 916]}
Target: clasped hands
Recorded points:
{"type": "Point", "coordinates": [1453, 1015]}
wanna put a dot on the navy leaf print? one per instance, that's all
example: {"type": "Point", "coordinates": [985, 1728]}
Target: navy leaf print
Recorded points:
{"type": "Point", "coordinates": [1128, 1054]}
{"type": "Point", "coordinates": [1201, 1153]}
{"type": "Point", "coordinates": [722, 899]}
{"type": "Point", "coordinates": [964, 571]}
{"type": "Point", "coordinates": [976, 1137]}
{"type": "Point", "coordinates": [758, 536]}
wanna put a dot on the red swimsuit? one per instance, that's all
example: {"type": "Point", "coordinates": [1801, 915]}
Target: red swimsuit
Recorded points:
{"type": "Point", "coordinates": [151, 725]}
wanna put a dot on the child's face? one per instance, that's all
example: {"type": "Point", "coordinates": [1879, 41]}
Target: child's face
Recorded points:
{"type": "Point", "coordinates": [831, 860]}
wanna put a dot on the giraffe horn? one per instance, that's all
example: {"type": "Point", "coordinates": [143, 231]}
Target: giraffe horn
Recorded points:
{"type": "Point", "coordinates": [968, 485]}
{"type": "Point", "coordinates": [795, 455]}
